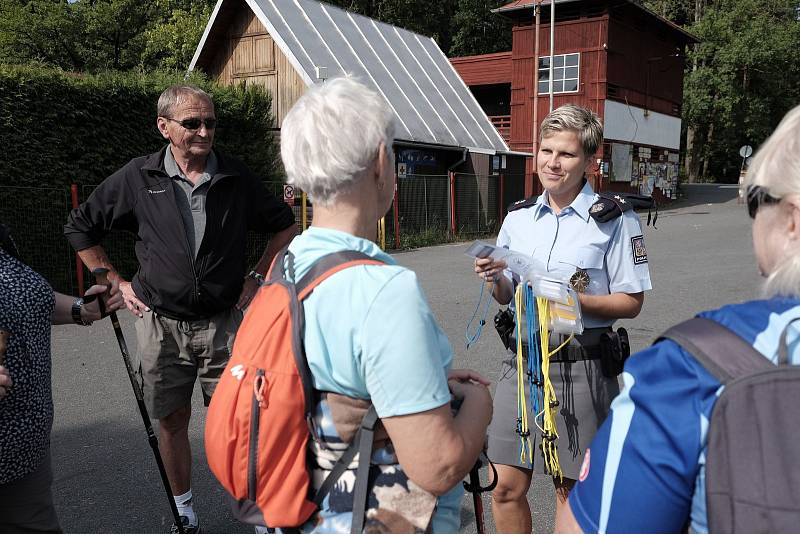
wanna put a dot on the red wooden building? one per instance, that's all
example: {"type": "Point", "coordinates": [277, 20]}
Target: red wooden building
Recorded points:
{"type": "Point", "coordinates": [615, 57]}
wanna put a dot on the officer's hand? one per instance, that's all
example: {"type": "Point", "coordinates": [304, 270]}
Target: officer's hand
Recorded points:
{"type": "Point", "coordinates": [489, 269]}
{"type": "Point", "coordinates": [136, 306]}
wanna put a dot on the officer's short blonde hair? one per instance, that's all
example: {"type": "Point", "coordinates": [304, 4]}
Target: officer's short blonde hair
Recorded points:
{"type": "Point", "coordinates": [571, 117]}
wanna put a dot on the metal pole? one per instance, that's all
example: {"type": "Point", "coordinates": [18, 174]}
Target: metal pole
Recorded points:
{"type": "Point", "coordinates": [477, 501]}
{"type": "Point", "coordinates": [425, 198]}
{"type": "Point", "coordinates": [552, 46]}
{"type": "Point", "coordinates": [101, 275]}
{"type": "Point", "coordinates": [452, 203]}
{"type": "Point", "coordinates": [304, 211]}
{"type": "Point", "coordinates": [396, 216]}
{"type": "Point", "coordinates": [78, 263]}
{"type": "Point", "coordinates": [502, 207]}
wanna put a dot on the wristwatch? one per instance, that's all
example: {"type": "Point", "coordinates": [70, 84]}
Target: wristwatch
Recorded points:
{"type": "Point", "coordinates": [77, 306]}
{"type": "Point", "coordinates": [258, 277]}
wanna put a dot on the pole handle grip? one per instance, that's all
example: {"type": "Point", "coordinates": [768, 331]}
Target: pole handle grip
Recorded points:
{"type": "Point", "coordinates": [101, 275]}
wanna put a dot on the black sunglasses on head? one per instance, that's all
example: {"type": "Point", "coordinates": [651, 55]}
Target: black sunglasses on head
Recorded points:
{"type": "Point", "coordinates": [757, 196]}
{"type": "Point", "coordinates": [194, 123]}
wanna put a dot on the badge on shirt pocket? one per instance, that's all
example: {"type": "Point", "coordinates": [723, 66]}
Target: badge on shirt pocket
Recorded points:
{"type": "Point", "coordinates": [639, 252]}
{"type": "Point", "coordinates": [579, 281]}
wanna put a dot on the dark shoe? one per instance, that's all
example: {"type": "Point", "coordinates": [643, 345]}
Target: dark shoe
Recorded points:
{"type": "Point", "coordinates": [187, 528]}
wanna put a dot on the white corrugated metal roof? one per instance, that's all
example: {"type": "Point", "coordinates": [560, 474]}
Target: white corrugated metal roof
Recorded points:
{"type": "Point", "coordinates": [430, 100]}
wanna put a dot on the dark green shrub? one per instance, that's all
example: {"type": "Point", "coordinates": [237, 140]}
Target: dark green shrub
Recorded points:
{"type": "Point", "coordinates": [59, 128]}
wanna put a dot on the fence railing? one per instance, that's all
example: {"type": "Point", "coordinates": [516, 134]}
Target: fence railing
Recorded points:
{"type": "Point", "coordinates": [36, 216]}
{"type": "Point", "coordinates": [503, 125]}
{"type": "Point", "coordinates": [427, 209]}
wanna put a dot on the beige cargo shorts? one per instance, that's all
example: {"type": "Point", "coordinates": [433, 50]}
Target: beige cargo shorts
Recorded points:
{"type": "Point", "coordinates": [174, 353]}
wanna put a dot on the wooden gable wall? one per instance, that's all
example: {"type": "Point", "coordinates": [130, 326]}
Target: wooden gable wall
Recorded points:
{"type": "Point", "coordinates": [249, 54]}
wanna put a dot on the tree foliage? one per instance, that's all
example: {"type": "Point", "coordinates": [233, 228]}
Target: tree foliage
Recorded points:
{"type": "Point", "coordinates": [476, 30]}
{"type": "Point", "coordinates": [747, 76]}
{"type": "Point", "coordinates": [96, 35]}
{"type": "Point", "coordinates": [460, 27]}
{"type": "Point", "coordinates": [741, 78]}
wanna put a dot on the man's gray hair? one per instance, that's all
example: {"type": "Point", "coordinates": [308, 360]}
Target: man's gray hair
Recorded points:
{"type": "Point", "coordinates": [776, 167]}
{"type": "Point", "coordinates": [570, 117]}
{"type": "Point", "coordinates": [175, 94]}
{"type": "Point", "coordinates": [332, 135]}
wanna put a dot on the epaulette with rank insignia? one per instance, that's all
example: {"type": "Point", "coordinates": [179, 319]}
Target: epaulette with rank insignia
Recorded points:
{"type": "Point", "coordinates": [611, 205]}
{"type": "Point", "coordinates": [524, 203]}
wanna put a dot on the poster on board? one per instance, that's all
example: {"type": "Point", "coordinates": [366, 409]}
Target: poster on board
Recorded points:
{"type": "Point", "coordinates": [621, 162]}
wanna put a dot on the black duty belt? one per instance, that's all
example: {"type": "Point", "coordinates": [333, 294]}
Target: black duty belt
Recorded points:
{"type": "Point", "coordinates": [589, 349]}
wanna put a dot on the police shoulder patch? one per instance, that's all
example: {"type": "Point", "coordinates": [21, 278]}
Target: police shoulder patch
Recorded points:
{"type": "Point", "coordinates": [639, 252]}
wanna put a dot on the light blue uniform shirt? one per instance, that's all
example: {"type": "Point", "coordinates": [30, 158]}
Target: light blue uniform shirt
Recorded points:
{"type": "Point", "coordinates": [572, 239]}
{"type": "Point", "coordinates": [369, 333]}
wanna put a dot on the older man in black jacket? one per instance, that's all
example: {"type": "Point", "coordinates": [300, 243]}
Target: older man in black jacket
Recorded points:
{"type": "Point", "coordinates": [190, 208]}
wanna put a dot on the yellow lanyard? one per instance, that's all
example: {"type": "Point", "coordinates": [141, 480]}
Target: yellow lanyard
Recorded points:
{"type": "Point", "coordinates": [548, 413]}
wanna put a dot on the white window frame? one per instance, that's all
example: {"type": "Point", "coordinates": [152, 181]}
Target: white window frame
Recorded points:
{"type": "Point", "coordinates": [563, 77]}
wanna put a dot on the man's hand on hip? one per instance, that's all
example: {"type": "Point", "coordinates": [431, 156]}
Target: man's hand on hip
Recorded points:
{"type": "Point", "coordinates": [248, 292]}
{"type": "Point", "coordinates": [136, 306]}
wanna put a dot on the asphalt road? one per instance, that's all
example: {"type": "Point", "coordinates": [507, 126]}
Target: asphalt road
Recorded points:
{"type": "Point", "coordinates": [105, 478]}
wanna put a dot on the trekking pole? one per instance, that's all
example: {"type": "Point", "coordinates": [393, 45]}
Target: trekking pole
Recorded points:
{"type": "Point", "coordinates": [474, 487]}
{"type": "Point", "coordinates": [101, 275]}
{"type": "Point", "coordinates": [477, 501]}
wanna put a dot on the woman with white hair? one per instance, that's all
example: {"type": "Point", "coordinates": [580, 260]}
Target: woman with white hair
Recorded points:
{"type": "Point", "coordinates": [369, 333]}
{"type": "Point", "coordinates": [647, 469]}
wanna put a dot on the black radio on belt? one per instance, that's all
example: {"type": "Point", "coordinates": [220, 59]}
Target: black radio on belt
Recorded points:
{"type": "Point", "coordinates": [615, 348]}
{"type": "Point", "coordinates": [504, 324]}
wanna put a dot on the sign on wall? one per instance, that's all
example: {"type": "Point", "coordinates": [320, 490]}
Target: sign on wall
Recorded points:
{"type": "Point", "coordinates": [621, 162]}
{"type": "Point", "coordinates": [288, 194]}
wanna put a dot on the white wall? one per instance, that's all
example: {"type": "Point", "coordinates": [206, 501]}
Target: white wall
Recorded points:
{"type": "Point", "coordinates": [629, 124]}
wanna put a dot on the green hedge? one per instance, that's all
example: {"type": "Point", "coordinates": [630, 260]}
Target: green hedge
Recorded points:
{"type": "Point", "coordinates": [60, 128]}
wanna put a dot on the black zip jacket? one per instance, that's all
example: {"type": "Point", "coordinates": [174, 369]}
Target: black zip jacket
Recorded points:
{"type": "Point", "coordinates": [140, 198]}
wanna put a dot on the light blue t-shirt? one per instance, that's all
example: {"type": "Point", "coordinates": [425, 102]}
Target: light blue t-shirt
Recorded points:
{"type": "Point", "coordinates": [612, 253]}
{"type": "Point", "coordinates": [369, 333]}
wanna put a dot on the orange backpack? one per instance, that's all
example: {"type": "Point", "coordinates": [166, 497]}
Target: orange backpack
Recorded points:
{"type": "Point", "coordinates": [260, 417]}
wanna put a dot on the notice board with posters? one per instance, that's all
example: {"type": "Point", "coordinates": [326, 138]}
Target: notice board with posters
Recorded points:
{"type": "Point", "coordinates": [621, 162]}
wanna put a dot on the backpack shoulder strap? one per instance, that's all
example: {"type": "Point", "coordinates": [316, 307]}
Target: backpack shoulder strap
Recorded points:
{"type": "Point", "coordinates": [722, 352]}
{"type": "Point", "coordinates": [328, 265]}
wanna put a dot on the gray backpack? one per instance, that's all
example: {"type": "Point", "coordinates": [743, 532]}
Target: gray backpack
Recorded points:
{"type": "Point", "coordinates": [753, 455]}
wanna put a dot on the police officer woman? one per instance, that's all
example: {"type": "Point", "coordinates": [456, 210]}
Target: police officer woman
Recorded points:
{"type": "Point", "coordinates": [606, 263]}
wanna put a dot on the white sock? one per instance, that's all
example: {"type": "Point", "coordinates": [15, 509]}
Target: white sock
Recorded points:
{"type": "Point", "coordinates": [184, 504]}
